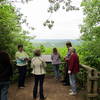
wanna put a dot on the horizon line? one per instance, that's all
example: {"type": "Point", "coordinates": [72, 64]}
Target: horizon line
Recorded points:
{"type": "Point", "coordinates": [55, 39]}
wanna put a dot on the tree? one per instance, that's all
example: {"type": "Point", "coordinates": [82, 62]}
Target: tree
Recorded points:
{"type": "Point", "coordinates": [11, 33]}
{"type": "Point", "coordinates": [55, 5]}
{"type": "Point", "coordinates": [9, 24]}
{"type": "Point", "coordinates": [42, 48]}
{"type": "Point", "coordinates": [91, 32]}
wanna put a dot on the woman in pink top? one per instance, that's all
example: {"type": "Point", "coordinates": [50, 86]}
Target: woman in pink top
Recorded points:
{"type": "Point", "coordinates": [56, 62]}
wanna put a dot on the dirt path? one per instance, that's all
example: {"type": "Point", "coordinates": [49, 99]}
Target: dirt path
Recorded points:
{"type": "Point", "coordinates": [52, 89]}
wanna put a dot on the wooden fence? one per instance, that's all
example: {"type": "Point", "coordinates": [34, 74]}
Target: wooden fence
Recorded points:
{"type": "Point", "coordinates": [92, 82]}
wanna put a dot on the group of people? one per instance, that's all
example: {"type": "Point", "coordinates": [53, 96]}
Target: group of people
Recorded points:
{"type": "Point", "coordinates": [38, 66]}
{"type": "Point", "coordinates": [71, 67]}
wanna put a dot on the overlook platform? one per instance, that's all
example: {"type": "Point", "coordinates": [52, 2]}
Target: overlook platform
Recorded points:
{"type": "Point", "coordinates": [53, 89]}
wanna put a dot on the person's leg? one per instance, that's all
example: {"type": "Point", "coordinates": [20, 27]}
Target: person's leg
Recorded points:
{"type": "Point", "coordinates": [66, 76]}
{"type": "Point", "coordinates": [22, 74]}
{"type": "Point", "coordinates": [73, 83]}
{"type": "Point", "coordinates": [0, 90]}
{"type": "Point", "coordinates": [64, 73]}
{"type": "Point", "coordinates": [4, 91]}
{"type": "Point", "coordinates": [55, 70]}
{"type": "Point", "coordinates": [58, 72]}
{"type": "Point", "coordinates": [41, 86]}
{"type": "Point", "coordinates": [35, 89]}
{"type": "Point", "coordinates": [24, 70]}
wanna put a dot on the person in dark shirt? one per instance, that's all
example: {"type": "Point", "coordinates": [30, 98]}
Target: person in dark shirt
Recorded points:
{"type": "Point", "coordinates": [5, 74]}
{"type": "Point", "coordinates": [66, 76]}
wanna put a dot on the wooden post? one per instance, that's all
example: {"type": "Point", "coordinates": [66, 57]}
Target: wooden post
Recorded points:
{"type": "Point", "coordinates": [92, 84]}
{"type": "Point", "coordinates": [89, 83]}
{"type": "Point", "coordinates": [95, 81]}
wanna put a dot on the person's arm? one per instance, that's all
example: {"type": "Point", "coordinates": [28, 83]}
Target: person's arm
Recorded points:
{"type": "Point", "coordinates": [67, 57]}
{"type": "Point", "coordinates": [59, 56]}
{"type": "Point", "coordinates": [43, 62]}
{"type": "Point", "coordinates": [71, 64]}
{"type": "Point", "coordinates": [32, 66]}
{"type": "Point", "coordinates": [52, 57]}
{"type": "Point", "coordinates": [45, 65]}
{"type": "Point", "coordinates": [17, 56]}
{"type": "Point", "coordinates": [11, 70]}
{"type": "Point", "coordinates": [26, 56]}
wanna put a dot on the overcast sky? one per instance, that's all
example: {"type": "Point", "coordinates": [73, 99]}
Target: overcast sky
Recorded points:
{"type": "Point", "coordinates": [66, 24]}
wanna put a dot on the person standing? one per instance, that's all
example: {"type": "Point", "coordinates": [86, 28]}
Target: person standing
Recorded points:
{"type": "Point", "coordinates": [66, 77]}
{"type": "Point", "coordinates": [38, 65]}
{"type": "Point", "coordinates": [73, 69]}
{"type": "Point", "coordinates": [56, 62]}
{"type": "Point", "coordinates": [21, 62]}
{"type": "Point", "coordinates": [5, 74]}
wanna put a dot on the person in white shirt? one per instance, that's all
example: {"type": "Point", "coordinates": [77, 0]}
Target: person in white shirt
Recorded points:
{"type": "Point", "coordinates": [38, 65]}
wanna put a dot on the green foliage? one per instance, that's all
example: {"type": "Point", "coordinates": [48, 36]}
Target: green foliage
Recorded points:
{"type": "Point", "coordinates": [91, 10]}
{"type": "Point", "coordinates": [49, 23]}
{"type": "Point", "coordinates": [91, 33]}
{"type": "Point", "coordinates": [8, 26]}
{"type": "Point", "coordinates": [11, 33]}
{"type": "Point", "coordinates": [42, 48]}
{"type": "Point", "coordinates": [2, 0]}
{"type": "Point", "coordinates": [8, 19]}
{"type": "Point", "coordinates": [90, 54]}
{"type": "Point", "coordinates": [56, 5]}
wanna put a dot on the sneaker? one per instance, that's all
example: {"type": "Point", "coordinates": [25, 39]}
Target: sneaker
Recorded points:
{"type": "Point", "coordinates": [62, 81]}
{"type": "Point", "coordinates": [21, 87]}
{"type": "Point", "coordinates": [65, 84]}
{"type": "Point", "coordinates": [70, 90]}
{"type": "Point", "coordinates": [34, 98]}
{"type": "Point", "coordinates": [43, 98]}
{"type": "Point", "coordinates": [72, 93]}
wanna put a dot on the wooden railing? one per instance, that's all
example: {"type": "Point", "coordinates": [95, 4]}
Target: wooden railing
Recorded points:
{"type": "Point", "coordinates": [92, 82]}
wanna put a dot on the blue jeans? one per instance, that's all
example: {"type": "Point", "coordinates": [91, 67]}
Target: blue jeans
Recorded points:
{"type": "Point", "coordinates": [56, 70]}
{"type": "Point", "coordinates": [4, 90]}
{"type": "Point", "coordinates": [72, 79]}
